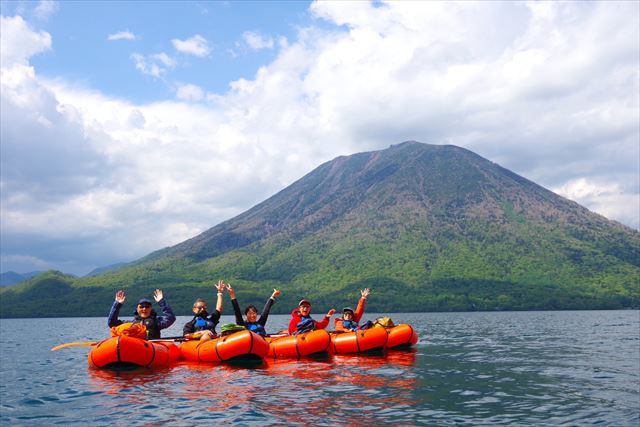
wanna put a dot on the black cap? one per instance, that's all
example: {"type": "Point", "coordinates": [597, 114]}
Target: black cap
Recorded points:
{"type": "Point", "coordinates": [344, 310]}
{"type": "Point", "coordinates": [303, 301]}
{"type": "Point", "coordinates": [145, 301]}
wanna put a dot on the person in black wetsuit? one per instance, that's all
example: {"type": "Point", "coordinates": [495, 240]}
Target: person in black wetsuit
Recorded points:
{"type": "Point", "coordinates": [252, 322]}
{"type": "Point", "coordinates": [203, 325]}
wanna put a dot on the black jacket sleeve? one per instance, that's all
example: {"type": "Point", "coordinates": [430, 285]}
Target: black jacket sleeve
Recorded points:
{"type": "Point", "coordinates": [215, 317]}
{"type": "Point", "coordinates": [265, 311]}
{"type": "Point", "coordinates": [236, 310]}
{"type": "Point", "coordinates": [189, 327]}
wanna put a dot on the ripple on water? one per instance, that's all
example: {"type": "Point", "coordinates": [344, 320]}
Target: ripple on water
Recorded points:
{"type": "Point", "coordinates": [32, 402]}
{"type": "Point", "coordinates": [38, 417]}
{"type": "Point", "coordinates": [475, 369]}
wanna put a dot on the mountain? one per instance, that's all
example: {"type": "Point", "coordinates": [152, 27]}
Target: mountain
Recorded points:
{"type": "Point", "coordinates": [427, 227]}
{"type": "Point", "coordinates": [11, 277]}
{"type": "Point", "coordinates": [102, 270]}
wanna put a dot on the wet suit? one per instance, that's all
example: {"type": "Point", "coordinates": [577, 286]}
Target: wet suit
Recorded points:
{"type": "Point", "coordinates": [257, 327]}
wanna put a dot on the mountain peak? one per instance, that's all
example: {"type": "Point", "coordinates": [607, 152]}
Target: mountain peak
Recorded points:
{"type": "Point", "coordinates": [408, 184]}
{"type": "Point", "coordinates": [428, 227]}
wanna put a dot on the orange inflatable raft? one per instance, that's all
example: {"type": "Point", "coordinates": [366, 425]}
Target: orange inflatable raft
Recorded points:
{"type": "Point", "coordinates": [401, 335]}
{"type": "Point", "coordinates": [307, 344]}
{"type": "Point", "coordinates": [373, 339]}
{"type": "Point", "coordinates": [239, 346]}
{"type": "Point", "coordinates": [125, 351]}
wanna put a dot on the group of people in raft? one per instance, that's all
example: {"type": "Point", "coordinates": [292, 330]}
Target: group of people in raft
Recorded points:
{"type": "Point", "coordinates": [203, 324]}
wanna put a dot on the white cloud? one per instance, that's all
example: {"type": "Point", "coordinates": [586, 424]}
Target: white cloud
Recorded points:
{"type": "Point", "coordinates": [190, 92]}
{"type": "Point", "coordinates": [548, 90]}
{"type": "Point", "coordinates": [45, 9]}
{"type": "Point", "coordinates": [164, 59]}
{"type": "Point", "coordinates": [196, 45]}
{"type": "Point", "coordinates": [609, 199]}
{"type": "Point", "coordinates": [19, 42]}
{"type": "Point", "coordinates": [154, 65]}
{"type": "Point", "coordinates": [24, 263]}
{"type": "Point", "coordinates": [122, 35]}
{"type": "Point", "coordinates": [256, 41]}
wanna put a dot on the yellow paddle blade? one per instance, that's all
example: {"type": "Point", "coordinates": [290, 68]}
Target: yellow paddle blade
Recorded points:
{"type": "Point", "coordinates": [75, 344]}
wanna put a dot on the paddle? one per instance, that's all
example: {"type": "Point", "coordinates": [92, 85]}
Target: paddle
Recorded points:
{"type": "Point", "coordinates": [92, 343]}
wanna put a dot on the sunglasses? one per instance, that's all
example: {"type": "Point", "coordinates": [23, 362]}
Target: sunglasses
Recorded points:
{"type": "Point", "coordinates": [305, 306]}
{"type": "Point", "coordinates": [199, 307]}
{"type": "Point", "coordinates": [144, 306]}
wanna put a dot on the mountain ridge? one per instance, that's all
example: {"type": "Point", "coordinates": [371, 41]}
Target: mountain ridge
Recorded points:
{"type": "Point", "coordinates": [430, 227]}
{"type": "Point", "coordinates": [8, 278]}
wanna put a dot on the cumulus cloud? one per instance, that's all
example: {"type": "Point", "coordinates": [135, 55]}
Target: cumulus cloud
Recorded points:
{"type": "Point", "coordinates": [196, 45]}
{"type": "Point", "coordinates": [19, 42]}
{"type": "Point", "coordinates": [154, 65]}
{"type": "Point", "coordinates": [122, 35]}
{"type": "Point", "coordinates": [256, 40]}
{"type": "Point", "coordinates": [550, 92]}
{"type": "Point", "coordinates": [47, 156]}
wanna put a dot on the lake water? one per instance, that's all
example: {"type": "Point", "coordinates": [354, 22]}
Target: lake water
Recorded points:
{"type": "Point", "coordinates": [516, 368]}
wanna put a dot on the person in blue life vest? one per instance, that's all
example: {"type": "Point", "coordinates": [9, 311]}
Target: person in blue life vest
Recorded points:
{"type": "Point", "coordinates": [349, 320]}
{"type": "Point", "coordinates": [203, 325]}
{"type": "Point", "coordinates": [252, 322]}
{"type": "Point", "coordinates": [144, 314]}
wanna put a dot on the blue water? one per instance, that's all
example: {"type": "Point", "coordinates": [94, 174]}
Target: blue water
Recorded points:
{"type": "Point", "coordinates": [516, 368]}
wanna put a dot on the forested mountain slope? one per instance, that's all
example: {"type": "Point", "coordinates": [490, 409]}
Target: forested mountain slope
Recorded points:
{"type": "Point", "coordinates": [427, 227]}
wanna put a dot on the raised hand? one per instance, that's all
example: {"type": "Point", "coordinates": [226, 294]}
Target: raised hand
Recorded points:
{"type": "Point", "coordinates": [365, 293]}
{"type": "Point", "coordinates": [220, 286]}
{"type": "Point", "coordinates": [331, 312]}
{"type": "Point", "coordinates": [157, 295]}
{"type": "Point", "coordinates": [276, 293]}
{"type": "Point", "coordinates": [232, 293]}
{"type": "Point", "coordinates": [120, 297]}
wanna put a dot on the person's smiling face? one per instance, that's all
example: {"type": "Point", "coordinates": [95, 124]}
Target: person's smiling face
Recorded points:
{"type": "Point", "coordinates": [144, 310]}
{"type": "Point", "coordinates": [305, 309]}
{"type": "Point", "coordinates": [252, 315]}
{"type": "Point", "coordinates": [199, 308]}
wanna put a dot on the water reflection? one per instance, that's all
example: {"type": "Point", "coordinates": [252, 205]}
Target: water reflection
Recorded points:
{"type": "Point", "coordinates": [290, 391]}
{"type": "Point", "coordinates": [553, 368]}
{"type": "Point", "coordinates": [333, 389]}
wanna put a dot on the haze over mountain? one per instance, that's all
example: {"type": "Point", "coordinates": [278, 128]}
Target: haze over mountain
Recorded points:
{"type": "Point", "coordinates": [11, 277]}
{"type": "Point", "coordinates": [427, 227]}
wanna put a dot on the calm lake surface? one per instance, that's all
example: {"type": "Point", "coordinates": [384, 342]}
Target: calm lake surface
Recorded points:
{"type": "Point", "coordinates": [516, 368]}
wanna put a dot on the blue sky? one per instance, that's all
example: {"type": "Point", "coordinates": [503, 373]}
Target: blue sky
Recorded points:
{"type": "Point", "coordinates": [83, 52]}
{"type": "Point", "coordinates": [131, 126]}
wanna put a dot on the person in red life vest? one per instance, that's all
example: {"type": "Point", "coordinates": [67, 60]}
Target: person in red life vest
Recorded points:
{"type": "Point", "coordinates": [301, 320]}
{"type": "Point", "coordinates": [350, 319]}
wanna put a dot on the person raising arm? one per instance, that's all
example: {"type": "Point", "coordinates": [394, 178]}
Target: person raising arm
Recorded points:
{"type": "Point", "coordinates": [252, 322]}
{"type": "Point", "coordinates": [301, 318]}
{"type": "Point", "coordinates": [203, 325]}
{"type": "Point", "coordinates": [350, 319]}
{"type": "Point", "coordinates": [144, 314]}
